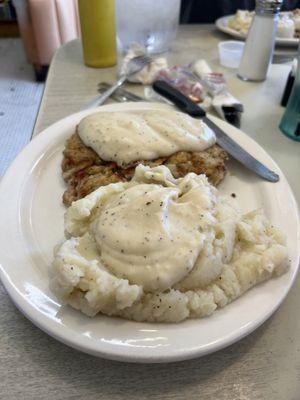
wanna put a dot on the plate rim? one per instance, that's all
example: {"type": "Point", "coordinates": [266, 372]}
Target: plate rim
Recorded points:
{"type": "Point", "coordinates": [40, 320]}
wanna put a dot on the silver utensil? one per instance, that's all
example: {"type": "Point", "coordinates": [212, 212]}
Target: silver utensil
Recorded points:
{"type": "Point", "coordinates": [228, 144]}
{"type": "Point", "coordinates": [120, 94]}
{"type": "Point", "coordinates": [134, 65]}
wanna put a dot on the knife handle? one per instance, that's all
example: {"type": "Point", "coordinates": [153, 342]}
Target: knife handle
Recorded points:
{"type": "Point", "coordinates": [179, 99]}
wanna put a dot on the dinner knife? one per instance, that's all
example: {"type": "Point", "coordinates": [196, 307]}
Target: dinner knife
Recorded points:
{"type": "Point", "coordinates": [236, 151]}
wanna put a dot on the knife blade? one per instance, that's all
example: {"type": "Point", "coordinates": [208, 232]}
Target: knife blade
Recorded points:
{"type": "Point", "coordinates": [229, 145]}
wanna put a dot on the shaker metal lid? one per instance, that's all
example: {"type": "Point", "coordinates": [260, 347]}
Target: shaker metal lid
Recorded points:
{"type": "Point", "coordinates": [268, 6]}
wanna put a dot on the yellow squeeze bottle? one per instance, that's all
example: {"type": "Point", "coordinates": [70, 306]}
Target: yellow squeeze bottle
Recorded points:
{"type": "Point", "coordinates": [98, 31]}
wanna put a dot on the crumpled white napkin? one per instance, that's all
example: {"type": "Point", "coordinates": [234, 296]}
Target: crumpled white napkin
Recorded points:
{"type": "Point", "coordinates": [147, 75]}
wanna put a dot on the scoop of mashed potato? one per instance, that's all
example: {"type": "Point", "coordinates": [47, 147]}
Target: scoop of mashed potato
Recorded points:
{"type": "Point", "coordinates": [162, 249]}
{"type": "Point", "coordinates": [241, 21]}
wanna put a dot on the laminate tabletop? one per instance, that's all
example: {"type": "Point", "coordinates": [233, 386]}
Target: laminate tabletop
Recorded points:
{"type": "Point", "coordinates": [264, 365]}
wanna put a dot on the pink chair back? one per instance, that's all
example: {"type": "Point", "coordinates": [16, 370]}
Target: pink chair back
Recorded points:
{"type": "Point", "coordinates": [45, 25]}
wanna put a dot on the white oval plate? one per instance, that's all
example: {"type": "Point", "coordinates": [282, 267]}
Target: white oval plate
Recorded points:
{"type": "Point", "coordinates": [31, 215]}
{"type": "Point", "coordinates": [222, 25]}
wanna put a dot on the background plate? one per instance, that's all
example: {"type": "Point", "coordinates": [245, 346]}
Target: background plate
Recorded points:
{"type": "Point", "coordinates": [222, 25]}
{"type": "Point", "coordinates": [31, 215]}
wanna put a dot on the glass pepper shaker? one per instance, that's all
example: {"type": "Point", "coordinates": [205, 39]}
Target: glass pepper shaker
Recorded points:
{"type": "Point", "coordinates": [289, 84]}
{"type": "Point", "coordinates": [290, 122]}
{"type": "Point", "coordinates": [260, 41]}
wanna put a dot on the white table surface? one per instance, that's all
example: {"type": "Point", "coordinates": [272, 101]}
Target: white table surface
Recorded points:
{"type": "Point", "coordinates": [265, 365]}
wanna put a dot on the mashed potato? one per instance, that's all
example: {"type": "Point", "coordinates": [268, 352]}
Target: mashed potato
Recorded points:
{"type": "Point", "coordinates": [162, 249]}
{"type": "Point", "coordinates": [241, 21]}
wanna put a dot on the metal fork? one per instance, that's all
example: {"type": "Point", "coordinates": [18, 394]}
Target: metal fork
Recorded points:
{"type": "Point", "coordinates": [120, 94]}
{"type": "Point", "coordinates": [134, 66]}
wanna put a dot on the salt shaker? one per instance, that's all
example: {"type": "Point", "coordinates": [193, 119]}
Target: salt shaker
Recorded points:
{"type": "Point", "coordinates": [260, 41]}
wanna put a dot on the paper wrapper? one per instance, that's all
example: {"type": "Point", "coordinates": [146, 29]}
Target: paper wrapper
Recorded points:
{"type": "Point", "coordinates": [227, 106]}
{"type": "Point", "coordinates": [190, 87]}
